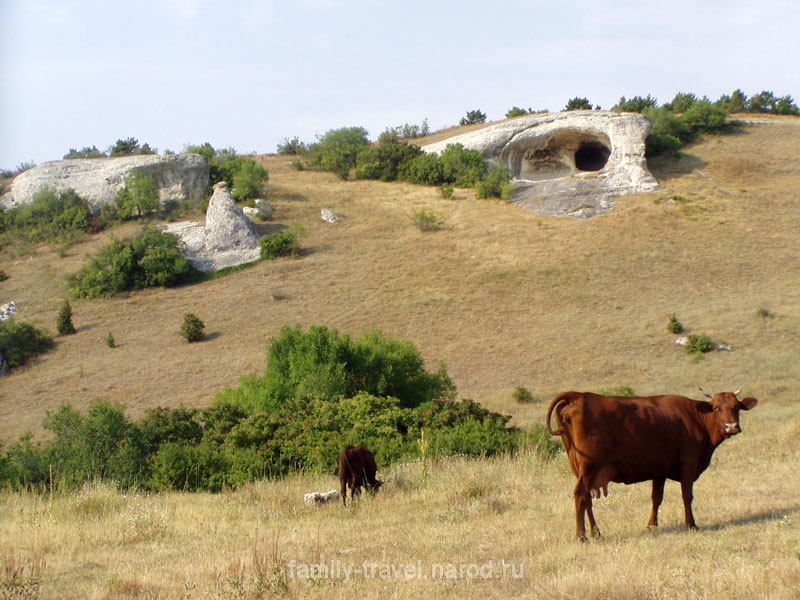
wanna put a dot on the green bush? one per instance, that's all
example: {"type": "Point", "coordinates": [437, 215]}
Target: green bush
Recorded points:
{"type": "Point", "coordinates": [668, 134]}
{"type": "Point", "coordinates": [138, 197]}
{"type": "Point", "coordinates": [292, 146]}
{"type": "Point", "coordinates": [192, 328]}
{"type": "Point", "coordinates": [446, 191]}
{"type": "Point", "coordinates": [681, 102]}
{"type": "Point", "coordinates": [704, 117]}
{"type": "Point", "coordinates": [673, 325]}
{"type": "Point", "coordinates": [636, 104]}
{"type": "Point", "coordinates": [425, 169]}
{"type": "Point", "coordinates": [129, 147]}
{"type": "Point", "coordinates": [578, 104]}
{"type": "Point", "coordinates": [462, 166]}
{"type": "Point", "coordinates": [85, 152]}
{"type": "Point", "coordinates": [735, 103]}
{"type": "Point", "coordinates": [495, 184]}
{"type": "Point", "coordinates": [621, 390]}
{"type": "Point", "coordinates": [386, 161]}
{"type": "Point", "coordinates": [148, 260]}
{"type": "Point", "coordinates": [20, 342]}
{"type": "Point", "coordinates": [54, 216]}
{"type": "Point", "coordinates": [472, 117]}
{"type": "Point", "coordinates": [64, 324]}
{"type": "Point", "coordinates": [110, 342]}
{"type": "Point", "coordinates": [426, 220]}
{"type": "Point", "coordinates": [248, 180]}
{"type": "Point", "coordinates": [700, 344]}
{"type": "Point", "coordinates": [522, 396]}
{"type": "Point", "coordinates": [404, 132]}
{"type": "Point", "coordinates": [337, 150]}
{"type": "Point", "coordinates": [280, 244]}
{"type": "Point", "coordinates": [516, 111]}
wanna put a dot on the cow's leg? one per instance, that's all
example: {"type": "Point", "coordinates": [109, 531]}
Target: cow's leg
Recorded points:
{"type": "Point", "coordinates": [686, 492]}
{"type": "Point", "coordinates": [343, 483]}
{"type": "Point", "coordinates": [592, 523]}
{"type": "Point", "coordinates": [658, 496]}
{"type": "Point", "coordinates": [583, 500]}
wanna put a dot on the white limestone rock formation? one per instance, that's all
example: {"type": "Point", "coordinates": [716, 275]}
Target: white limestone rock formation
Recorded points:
{"type": "Point", "coordinates": [227, 239]}
{"type": "Point", "coordinates": [568, 163]}
{"type": "Point", "coordinates": [179, 176]}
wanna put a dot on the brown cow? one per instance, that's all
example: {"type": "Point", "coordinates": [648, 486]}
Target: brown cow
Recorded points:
{"type": "Point", "coordinates": [628, 440]}
{"type": "Point", "coordinates": [357, 467]}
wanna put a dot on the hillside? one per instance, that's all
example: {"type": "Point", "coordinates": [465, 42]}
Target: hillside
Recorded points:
{"type": "Point", "coordinates": [505, 298]}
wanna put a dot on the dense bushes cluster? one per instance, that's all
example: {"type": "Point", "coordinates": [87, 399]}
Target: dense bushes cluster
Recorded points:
{"type": "Point", "coordinates": [242, 174]}
{"type": "Point", "coordinates": [54, 216]}
{"type": "Point", "coordinates": [320, 392]}
{"type": "Point", "coordinates": [282, 243]}
{"type": "Point", "coordinates": [681, 120]}
{"type": "Point", "coordinates": [20, 342]}
{"type": "Point", "coordinates": [150, 259]}
{"type": "Point", "coordinates": [127, 147]}
{"type": "Point", "coordinates": [344, 150]}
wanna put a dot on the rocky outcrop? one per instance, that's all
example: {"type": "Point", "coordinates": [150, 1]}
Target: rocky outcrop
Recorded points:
{"type": "Point", "coordinates": [179, 176]}
{"type": "Point", "coordinates": [569, 163]}
{"type": "Point", "coordinates": [227, 239]}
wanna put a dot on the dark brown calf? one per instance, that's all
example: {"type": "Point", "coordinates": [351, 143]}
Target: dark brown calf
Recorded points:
{"type": "Point", "coordinates": [356, 468]}
{"type": "Point", "coordinates": [627, 440]}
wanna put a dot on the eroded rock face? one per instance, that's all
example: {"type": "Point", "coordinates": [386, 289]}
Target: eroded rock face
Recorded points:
{"type": "Point", "coordinates": [569, 163]}
{"type": "Point", "coordinates": [179, 176]}
{"type": "Point", "coordinates": [227, 239]}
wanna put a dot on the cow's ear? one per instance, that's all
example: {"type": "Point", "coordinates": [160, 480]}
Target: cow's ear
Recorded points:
{"type": "Point", "coordinates": [748, 403]}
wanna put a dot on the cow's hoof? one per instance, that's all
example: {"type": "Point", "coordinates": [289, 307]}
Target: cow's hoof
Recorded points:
{"type": "Point", "coordinates": [596, 533]}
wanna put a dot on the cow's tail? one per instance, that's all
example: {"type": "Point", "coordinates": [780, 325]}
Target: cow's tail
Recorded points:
{"type": "Point", "coordinates": [560, 399]}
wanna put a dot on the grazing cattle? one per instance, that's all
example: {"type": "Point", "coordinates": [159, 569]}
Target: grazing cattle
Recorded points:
{"type": "Point", "coordinates": [628, 440]}
{"type": "Point", "coordinates": [356, 468]}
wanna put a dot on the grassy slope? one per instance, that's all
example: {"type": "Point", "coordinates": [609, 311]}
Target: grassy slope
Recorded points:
{"type": "Point", "coordinates": [505, 298]}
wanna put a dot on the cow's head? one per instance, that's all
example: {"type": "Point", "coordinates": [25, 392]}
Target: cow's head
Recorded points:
{"type": "Point", "coordinates": [726, 407]}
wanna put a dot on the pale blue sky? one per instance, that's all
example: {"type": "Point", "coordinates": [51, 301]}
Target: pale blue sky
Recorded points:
{"type": "Point", "coordinates": [248, 73]}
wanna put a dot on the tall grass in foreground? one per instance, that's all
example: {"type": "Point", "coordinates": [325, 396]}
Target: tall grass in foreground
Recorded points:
{"type": "Point", "coordinates": [443, 528]}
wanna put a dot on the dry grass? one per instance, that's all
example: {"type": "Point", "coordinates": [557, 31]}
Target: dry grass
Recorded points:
{"type": "Point", "coordinates": [505, 298]}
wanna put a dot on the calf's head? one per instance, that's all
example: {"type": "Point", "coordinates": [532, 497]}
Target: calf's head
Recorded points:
{"type": "Point", "coordinates": [726, 407]}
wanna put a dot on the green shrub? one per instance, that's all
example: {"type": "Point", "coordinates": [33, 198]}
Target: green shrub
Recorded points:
{"type": "Point", "coordinates": [516, 111]}
{"type": "Point", "coordinates": [404, 132]}
{"type": "Point", "coordinates": [522, 396]}
{"type": "Point", "coordinates": [425, 169]}
{"type": "Point", "coordinates": [681, 102]}
{"type": "Point", "coordinates": [462, 166]}
{"type": "Point", "coordinates": [53, 216]}
{"type": "Point", "coordinates": [129, 147]}
{"type": "Point", "coordinates": [64, 324]}
{"type": "Point", "coordinates": [494, 184]}
{"type": "Point", "coordinates": [578, 104]}
{"type": "Point", "coordinates": [292, 146]}
{"type": "Point", "coordinates": [248, 180]}
{"type": "Point", "coordinates": [298, 165]}
{"type": "Point", "coordinates": [699, 344]}
{"type": "Point", "coordinates": [636, 104]}
{"type": "Point", "coordinates": [20, 342]}
{"type": "Point", "coordinates": [110, 342]}
{"type": "Point", "coordinates": [735, 103]}
{"type": "Point", "coordinates": [668, 134]}
{"type": "Point", "coordinates": [138, 197]}
{"type": "Point", "coordinates": [337, 150]}
{"type": "Point", "coordinates": [472, 117]}
{"type": "Point", "coordinates": [704, 117]}
{"type": "Point", "coordinates": [426, 220]}
{"type": "Point", "coordinates": [149, 259]}
{"type": "Point", "coordinates": [386, 161]}
{"type": "Point", "coordinates": [192, 328]}
{"type": "Point", "coordinates": [673, 325]}
{"type": "Point", "coordinates": [446, 191]}
{"type": "Point", "coordinates": [621, 390]}
{"type": "Point", "coordinates": [85, 152]}
{"type": "Point", "coordinates": [280, 244]}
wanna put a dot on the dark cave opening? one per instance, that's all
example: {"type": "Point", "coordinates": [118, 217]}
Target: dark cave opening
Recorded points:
{"type": "Point", "coordinates": [591, 156]}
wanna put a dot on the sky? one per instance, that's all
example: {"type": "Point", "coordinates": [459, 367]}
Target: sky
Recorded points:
{"type": "Point", "coordinates": [248, 74]}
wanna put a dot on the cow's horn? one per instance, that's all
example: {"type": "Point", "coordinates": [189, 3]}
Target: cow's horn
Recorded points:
{"type": "Point", "coordinates": [705, 393]}
{"type": "Point", "coordinates": [737, 392]}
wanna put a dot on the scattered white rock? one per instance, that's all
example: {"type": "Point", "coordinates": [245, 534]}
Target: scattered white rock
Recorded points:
{"type": "Point", "coordinates": [7, 311]}
{"type": "Point", "coordinates": [179, 176]}
{"type": "Point", "coordinates": [682, 341]}
{"type": "Point", "coordinates": [227, 239]}
{"type": "Point", "coordinates": [261, 211]}
{"type": "Point", "coordinates": [314, 498]}
{"type": "Point", "coordinates": [329, 215]}
{"type": "Point", "coordinates": [568, 163]}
